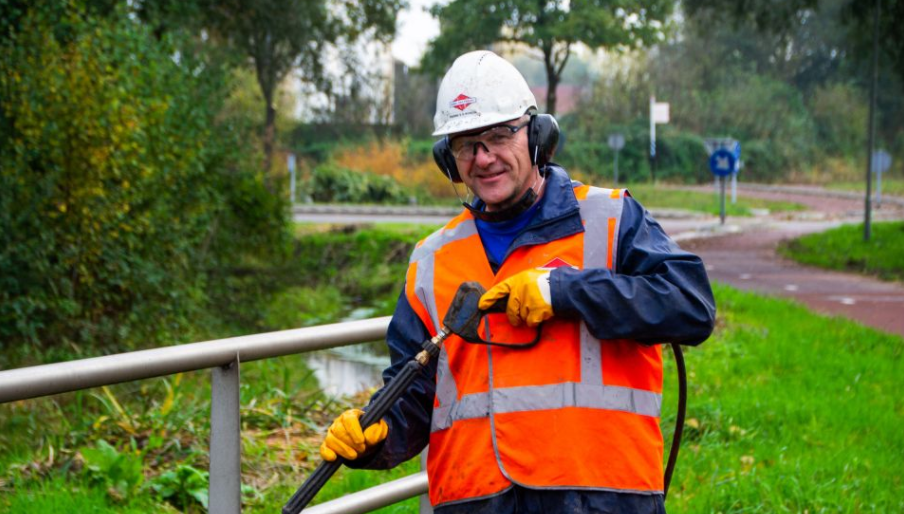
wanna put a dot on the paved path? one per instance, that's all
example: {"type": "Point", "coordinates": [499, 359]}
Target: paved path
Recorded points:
{"type": "Point", "coordinates": [742, 254]}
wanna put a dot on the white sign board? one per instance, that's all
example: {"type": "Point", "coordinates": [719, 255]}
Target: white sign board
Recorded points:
{"type": "Point", "coordinates": [660, 112]}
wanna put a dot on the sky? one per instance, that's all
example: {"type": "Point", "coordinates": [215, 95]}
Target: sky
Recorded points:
{"type": "Point", "coordinates": [415, 27]}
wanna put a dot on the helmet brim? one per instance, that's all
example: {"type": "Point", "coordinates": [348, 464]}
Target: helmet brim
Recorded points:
{"type": "Point", "coordinates": [475, 121]}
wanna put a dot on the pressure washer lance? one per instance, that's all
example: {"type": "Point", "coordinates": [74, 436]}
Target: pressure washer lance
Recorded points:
{"type": "Point", "coordinates": [374, 413]}
{"type": "Point", "coordinates": [462, 319]}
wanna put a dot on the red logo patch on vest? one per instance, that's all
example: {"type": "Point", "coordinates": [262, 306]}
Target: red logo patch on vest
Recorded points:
{"type": "Point", "coordinates": [556, 263]}
{"type": "Point", "coordinates": [462, 102]}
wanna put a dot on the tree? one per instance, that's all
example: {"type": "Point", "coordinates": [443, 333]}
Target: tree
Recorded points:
{"type": "Point", "coordinates": [825, 42]}
{"type": "Point", "coordinates": [859, 16]}
{"type": "Point", "coordinates": [281, 35]}
{"type": "Point", "coordinates": [853, 23]}
{"type": "Point", "coordinates": [552, 27]}
{"type": "Point", "coordinates": [122, 183]}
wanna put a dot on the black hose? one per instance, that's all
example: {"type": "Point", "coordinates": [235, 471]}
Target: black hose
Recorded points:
{"type": "Point", "coordinates": [679, 420]}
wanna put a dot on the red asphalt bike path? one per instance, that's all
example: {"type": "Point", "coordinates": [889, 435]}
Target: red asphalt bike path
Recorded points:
{"type": "Point", "coordinates": [742, 253]}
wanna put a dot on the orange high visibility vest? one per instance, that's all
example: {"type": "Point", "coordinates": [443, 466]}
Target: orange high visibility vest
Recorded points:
{"type": "Point", "coordinates": [570, 412]}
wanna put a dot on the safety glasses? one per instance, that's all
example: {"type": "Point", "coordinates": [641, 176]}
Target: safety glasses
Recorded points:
{"type": "Point", "coordinates": [494, 139]}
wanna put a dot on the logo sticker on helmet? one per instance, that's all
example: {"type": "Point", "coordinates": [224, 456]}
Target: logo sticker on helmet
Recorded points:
{"type": "Point", "coordinates": [462, 102]}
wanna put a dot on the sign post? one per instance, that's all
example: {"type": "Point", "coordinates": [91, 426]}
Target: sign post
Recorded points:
{"type": "Point", "coordinates": [724, 159]}
{"type": "Point", "coordinates": [291, 164]}
{"type": "Point", "coordinates": [616, 142]}
{"type": "Point", "coordinates": [881, 162]}
{"type": "Point", "coordinates": [659, 113]}
{"type": "Point", "coordinates": [734, 175]}
{"type": "Point", "coordinates": [871, 128]}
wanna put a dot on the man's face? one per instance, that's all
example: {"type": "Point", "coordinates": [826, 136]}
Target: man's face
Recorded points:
{"type": "Point", "coordinates": [495, 163]}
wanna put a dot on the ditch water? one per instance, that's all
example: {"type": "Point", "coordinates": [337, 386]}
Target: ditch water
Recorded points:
{"type": "Point", "coordinates": [348, 370]}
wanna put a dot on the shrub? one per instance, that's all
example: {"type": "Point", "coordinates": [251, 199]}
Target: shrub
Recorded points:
{"type": "Point", "coordinates": [681, 156]}
{"type": "Point", "coordinates": [767, 115]}
{"type": "Point", "coordinates": [304, 306]}
{"type": "Point", "coordinates": [119, 187]}
{"type": "Point", "coordinates": [840, 115]}
{"type": "Point", "coordinates": [408, 162]}
{"type": "Point", "coordinates": [121, 472]}
{"type": "Point", "coordinates": [185, 487]}
{"type": "Point", "coordinates": [332, 183]}
{"type": "Point", "coordinates": [761, 161]}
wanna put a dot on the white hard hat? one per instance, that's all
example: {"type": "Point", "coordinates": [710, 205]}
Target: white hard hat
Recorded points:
{"type": "Point", "coordinates": [479, 90]}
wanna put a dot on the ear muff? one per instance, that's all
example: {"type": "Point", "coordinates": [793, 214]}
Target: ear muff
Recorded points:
{"type": "Point", "coordinates": [542, 139]}
{"type": "Point", "coordinates": [442, 154]}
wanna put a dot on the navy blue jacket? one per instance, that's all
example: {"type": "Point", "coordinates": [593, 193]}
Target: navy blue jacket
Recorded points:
{"type": "Point", "coordinates": [657, 293]}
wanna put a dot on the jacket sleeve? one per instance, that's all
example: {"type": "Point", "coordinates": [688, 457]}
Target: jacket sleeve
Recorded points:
{"type": "Point", "coordinates": [657, 293]}
{"type": "Point", "coordinates": [409, 418]}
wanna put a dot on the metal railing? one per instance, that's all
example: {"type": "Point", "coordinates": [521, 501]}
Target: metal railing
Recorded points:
{"type": "Point", "coordinates": [223, 357]}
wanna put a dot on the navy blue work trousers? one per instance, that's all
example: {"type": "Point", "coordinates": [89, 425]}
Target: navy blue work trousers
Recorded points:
{"type": "Point", "coordinates": [521, 500]}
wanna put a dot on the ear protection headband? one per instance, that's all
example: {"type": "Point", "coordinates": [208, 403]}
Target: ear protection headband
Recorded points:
{"type": "Point", "coordinates": [542, 139]}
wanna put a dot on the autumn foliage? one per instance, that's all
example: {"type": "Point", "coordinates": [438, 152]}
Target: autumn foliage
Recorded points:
{"type": "Point", "coordinates": [392, 159]}
{"type": "Point", "coordinates": [119, 187]}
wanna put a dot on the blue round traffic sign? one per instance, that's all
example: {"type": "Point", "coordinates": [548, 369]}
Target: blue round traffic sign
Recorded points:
{"type": "Point", "coordinates": [723, 162]}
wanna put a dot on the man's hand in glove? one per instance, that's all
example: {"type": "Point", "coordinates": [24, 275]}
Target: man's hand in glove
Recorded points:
{"type": "Point", "coordinates": [346, 439]}
{"type": "Point", "coordinates": [529, 299]}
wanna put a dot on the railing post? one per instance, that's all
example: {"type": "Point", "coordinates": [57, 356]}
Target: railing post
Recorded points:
{"type": "Point", "coordinates": [225, 488]}
{"type": "Point", "coordinates": [425, 507]}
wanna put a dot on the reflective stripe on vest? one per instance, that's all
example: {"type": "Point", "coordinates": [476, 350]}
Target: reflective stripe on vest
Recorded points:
{"type": "Point", "coordinates": [555, 396]}
{"type": "Point", "coordinates": [602, 218]}
{"type": "Point", "coordinates": [422, 257]}
{"type": "Point", "coordinates": [553, 390]}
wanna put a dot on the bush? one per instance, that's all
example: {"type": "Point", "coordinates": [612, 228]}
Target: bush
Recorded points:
{"type": "Point", "coordinates": [767, 115]}
{"type": "Point", "coordinates": [331, 183]}
{"type": "Point", "coordinates": [118, 187]}
{"type": "Point", "coordinates": [186, 487]}
{"type": "Point", "coordinates": [120, 472]}
{"type": "Point", "coordinates": [761, 161]}
{"type": "Point", "coordinates": [408, 162]}
{"type": "Point", "coordinates": [304, 306]}
{"type": "Point", "coordinates": [681, 156]}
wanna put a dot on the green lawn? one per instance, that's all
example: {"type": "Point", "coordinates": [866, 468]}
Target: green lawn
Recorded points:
{"type": "Point", "coordinates": [668, 197]}
{"type": "Point", "coordinates": [60, 495]}
{"type": "Point", "coordinates": [788, 411]}
{"type": "Point", "coordinates": [890, 186]}
{"type": "Point", "coordinates": [843, 248]}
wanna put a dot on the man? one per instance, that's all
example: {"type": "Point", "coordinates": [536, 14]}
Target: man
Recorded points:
{"type": "Point", "coordinates": [570, 424]}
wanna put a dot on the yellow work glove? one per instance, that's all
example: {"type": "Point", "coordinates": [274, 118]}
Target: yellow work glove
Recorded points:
{"type": "Point", "coordinates": [346, 439]}
{"type": "Point", "coordinates": [529, 299]}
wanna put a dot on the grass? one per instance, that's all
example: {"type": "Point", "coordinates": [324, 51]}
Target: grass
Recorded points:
{"type": "Point", "coordinates": [791, 412]}
{"type": "Point", "coordinates": [667, 197]}
{"type": "Point", "coordinates": [61, 495]}
{"type": "Point", "coordinates": [844, 249]}
{"type": "Point", "coordinates": [890, 186]}
{"type": "Point", "coordinates": [788, 411]}
{"type": "Point", "coordinates": [345, 481]}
